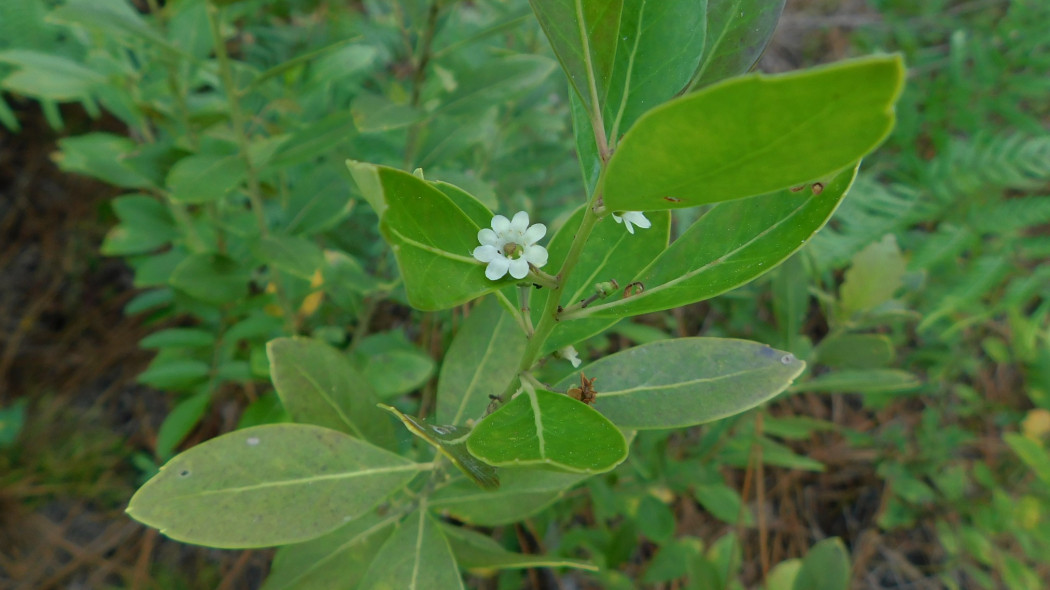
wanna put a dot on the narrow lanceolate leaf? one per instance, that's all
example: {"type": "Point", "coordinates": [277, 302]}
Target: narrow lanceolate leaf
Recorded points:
{"type": "Point", "coordinates": [415, 557]}
{"type": "Point", "coordinates": [268, 485]}
{"type": "Point", "coordinates": [687, 381]}
{"type": "Point", "coordinates": [482, 361]}
{"type": "Point", "coordinates": [737, 33]}
{"type": "Point", "coordinates": [334, 561]}
{"type": "Point", "coordinates": [432, 238]}
{"type": "Point", "coordinates": [451, 441]}
{"type": "Point", "coordinates": [318, 385]}
{"type": "Point", "coordinates": [731, 244]}
{"type": "Point", "coordinates": [611, 254]}
{"type": "Point", "coordinates": [624, 57]}
{"type": "Point", "coordinates": [522, 493]}
{"type": "Point", "coordinates": [474, 550]}
{"type": "Point", "coordinates": [548, 429]}
{"type": "Point", "coordinates": [753, 135]}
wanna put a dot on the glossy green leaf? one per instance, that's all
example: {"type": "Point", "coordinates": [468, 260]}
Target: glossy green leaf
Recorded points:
{"type": "Point", "coordinates": [687, 381]}
{"type": "Point", "coordinates": [826, 566]}
{"type": "Point", "coordinates": [212, 278]}
{"type": "Point", "coordinates": [624, 57]}
{"type": "Point", "coordinates": [731, 244]}
{"type": "Point", "coordinates": [318, 385]}
{"type": "Point", "coordinates": [433, 239]}
{"type": "Point", "coordinates": [202, 178]}
{"type": "Point", "coordinates": [268, 485]}
{"type": "Point", "coordinates": [548, 429]}
{"type": "Point", "coordinates": [335, 561]}
{"type": "Point", "coordinates": [145, 225]}
{"type": "Point", "coordinates": [737, 33]}
{"type": "Point", "coordinates": [296, 256]}
{"type": "Point", "coordinates": [451, 441]}
{"type": "Point", "coordinates": [180, 421]}
{"type": "Point", "coordinates": [415, 557]}
{"type": "Point", "coordinates": [475, 551]}
{"type": "Point", "coordinates": [481, 361]}
{"type": "Point", "coordinates": [753, 135]}
{"type": "Point", "coordinates": [522, 493]}
{"type": "Point", "coordinates": [611, 253]}
{"type": "Point", "coordinates": [861, 381]}
{"type": "Point", "coordinates": [855, 351]}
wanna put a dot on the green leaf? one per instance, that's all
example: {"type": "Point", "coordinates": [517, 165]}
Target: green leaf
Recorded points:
{"type": "Point", "coordinates": [318, 385]}
{"type": "Point", "coordinates": [112, 18]}
{"type": "Point", "coordinates": [655, 519]}
{"type": "Point", "coordinates": [180, 421]}
{"type": "Point", "coordinates": [548, 429]}
{"type": "Point", "coordinates": [451, 441]}
{"type": "Point", "coordinates": [375, 113]}
{"type": "Point", "coordinates": [737, 33]}
{"type": "Point", "coordinates": [392, 364]}
{"type": "Point", "coordinates": [724, 503]}
{"type": "Point", "coordinates": [179, 338]}
{"type": "Point", "coordinates": [202, 178]}
{"type": "Point", "coordinates": [481, 361]}
{"type": "Point", "coordinates": [825, 567]}
{"type": "Point", "coordinates": [624, 57]}
{"type": "Point", "coordinates": [174, 373]}
{"type": "Point", "coordinates": [314, 140]}
{"type": "Point", "coordinates": [783, 574]}
{"type": "Point", "coordinates": [861, 381]}
{"type": "Point", "coordinates": [268, 485]}
{"type": "Point", "coordinates": [146, 224]}
{"type": "Point", "coordinates": [855, 351]}
{"type": "Point", "coordinates": [753, 135]}
{"type": "Point", "coordinates": [415, 557]}
{"type": "Point", "coordinates": [875, 274]}
{"type": "Point", "coordinates": [494, 82]}
{"type": "Point", "coordinates": [522, 493]}
{"type": "Point", "coordinates": [296, 256]}
{"type": "Point", "coordinates": [730, 245]}
{"type": "Point", "coordinates": [335, 561]}
{"type": "Point", "coordinates": [317, 203]}
{"type": "Point", "coordinates": [103, 156]}
{"type": "Point", "coordinates": [12, 420]}
{"type": "Point", "coordinates": [1033, 453]}
{"type": "Point", "coordinates": [475, 551]}
{"type": "Point", "coordinates": [611, 253]}
{"type": "Point", "coordinates": [687, 381]}
{"type": "Point", "coordinates": [433, 240]}
{"type": "Point", "coordinates": [212, 278]}
{"type": "Point", "coordinates": [49, 77]}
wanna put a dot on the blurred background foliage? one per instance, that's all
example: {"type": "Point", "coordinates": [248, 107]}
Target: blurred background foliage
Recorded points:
{"type": "Point", "coordinates": [150, 250]}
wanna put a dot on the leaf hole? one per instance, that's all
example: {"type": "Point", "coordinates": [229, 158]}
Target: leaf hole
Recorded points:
{"type": "Point", "coordinates": [184, 473]}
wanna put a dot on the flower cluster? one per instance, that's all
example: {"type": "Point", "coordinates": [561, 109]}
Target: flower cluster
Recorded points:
{"type": "Point", "coordinates": [510, 246]}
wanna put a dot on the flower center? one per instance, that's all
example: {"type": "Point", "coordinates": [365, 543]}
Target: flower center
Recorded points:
{"type": "Point", "coordinates": [511, 250]}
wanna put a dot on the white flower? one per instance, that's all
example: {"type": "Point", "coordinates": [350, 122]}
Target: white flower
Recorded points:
{"type": "Point", "coordinates": [569, 353]}
{"type": "Point", "coordinates": [635, 217]}
{"type": "Point", "coordinates": [511, 246]}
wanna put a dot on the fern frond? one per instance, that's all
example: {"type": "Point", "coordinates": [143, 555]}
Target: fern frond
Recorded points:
{"type": "Point", "coordinates": [1012, 215]}
{"type": "Point", "coordinates": [989, 164]}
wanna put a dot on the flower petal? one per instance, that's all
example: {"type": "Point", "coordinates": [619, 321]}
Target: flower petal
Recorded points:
{"type": "Point", "coordinates": [627, 224]}
{"type": "Point", "coordinates": [535, 255]}
{"type": "Point", "coordinates": [497, 268]}
{"type": "Point", "coordinates": [617, 218]}
{"type": "Point", "coordinates": [500, 224]}
{"type": "Point", "coordinates": [519, 267]}
{"type": "Point", "coordinates": [520, 222]}
{"type": "Point", "coordinates": [488, 237]}
{"type": "Point", "coordinates": [638, 218]}
{"type": "Point", "coordinates": [486, 253]}
{"type": "Point", "coordinates": [535, 234]}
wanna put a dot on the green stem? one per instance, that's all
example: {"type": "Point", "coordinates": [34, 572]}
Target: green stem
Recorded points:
{"type": "Point", "coordinates": [419, 77]}
{"type": "Point", "coordinates": [526, 312]}
{"type": "Point", "coordinates": [240, 132]}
